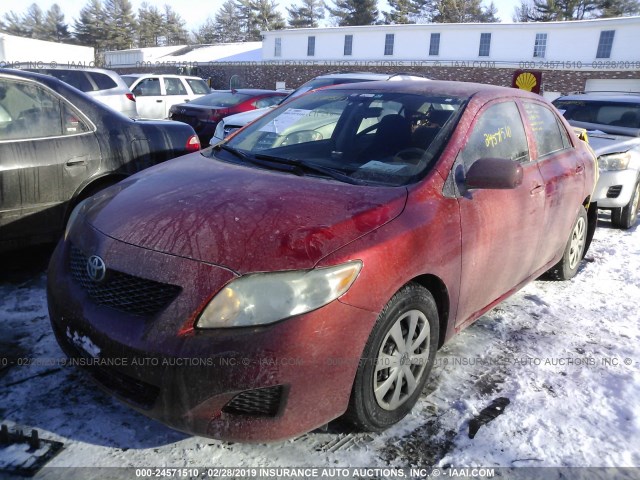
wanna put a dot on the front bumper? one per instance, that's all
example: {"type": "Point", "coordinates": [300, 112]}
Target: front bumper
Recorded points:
{"type": "Point", "coordinates": [614, 188]}
{"type": "Point", "coordinates": [250, 384]}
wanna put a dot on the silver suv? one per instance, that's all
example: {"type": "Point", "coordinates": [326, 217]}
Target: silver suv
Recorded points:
{"type": "Point", "coordinates": [105, 86]}
{"type": "Point", "coordinates": [613, 126]}
{"type": "Point", "coordinates": [233, 122]}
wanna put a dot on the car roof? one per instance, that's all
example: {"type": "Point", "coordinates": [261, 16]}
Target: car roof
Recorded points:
{"type": "Point", "coordinates": [151, 75]}
{"type": "Point", "coordinates": [438, 87]}
{"type": "Point", "coordinates": [40, 77]}
{"type": "Point", "coordinates": [356, 75]}
{"type": "Point", "coordinates": [633, 98]}
{"type": "Point", "coordinates": [250, 91]}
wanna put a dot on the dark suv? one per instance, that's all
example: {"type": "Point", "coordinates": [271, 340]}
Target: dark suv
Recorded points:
{"type": "Point", "coordinates": [59, 146]}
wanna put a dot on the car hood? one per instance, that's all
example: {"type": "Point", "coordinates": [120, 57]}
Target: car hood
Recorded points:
{"type": "Point", "coordinates": [243, 218]}
{"type": "Point", "coordinates": [604, 144]}
{"type": "Point", "coordinates": [241, 119]}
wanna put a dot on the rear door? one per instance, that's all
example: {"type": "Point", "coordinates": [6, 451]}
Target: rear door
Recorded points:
{"type": "Point", "coordinates": [47, 151]}
{"type": "Point", "coordinates": [150, 98]}
{"type": "Point", "coordinates": [563, 173]}
{"type": "Point", "coordinates": [500, 228]}
{"type": "Point", "coordinates": [176, 92]}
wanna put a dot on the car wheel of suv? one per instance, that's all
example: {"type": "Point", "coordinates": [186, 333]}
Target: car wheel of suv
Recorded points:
{"type": "Point", "coordinates": [568, 265]}
{"type": "Point", "coordinates": [396, 361]}
{"type": "Point", "coordinates": [627, 216]}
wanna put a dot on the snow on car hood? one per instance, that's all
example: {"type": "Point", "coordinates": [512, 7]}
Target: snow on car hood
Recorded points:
{"type": "Point", "coordinates": [604, 144]}
{"type": "Point", "coordinates": [240, 217]}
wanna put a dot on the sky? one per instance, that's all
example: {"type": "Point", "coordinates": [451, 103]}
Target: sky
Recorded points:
{"type": "Point", "coordinates": [195, 12]}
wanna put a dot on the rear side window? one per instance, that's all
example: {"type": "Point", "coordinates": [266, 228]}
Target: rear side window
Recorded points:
{"type": "Point", "coordinates": [104, 82]}
{"type": "Point", "coordinates": [498, 133]}
{"type": "Point", "coordinates": [199, 87]}
{"type": "Point", "coordinates": [174, 86]}
{"type": "Point", "coordinates": [75, 78]}
{"type": "Point", "coordinates": [548, 134]}
{"type": "Point", "coordinates": [27, 111]}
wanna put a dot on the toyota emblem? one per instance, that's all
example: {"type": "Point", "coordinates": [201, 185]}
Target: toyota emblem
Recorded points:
{"type": "Point", "coordinates": [96, 269]}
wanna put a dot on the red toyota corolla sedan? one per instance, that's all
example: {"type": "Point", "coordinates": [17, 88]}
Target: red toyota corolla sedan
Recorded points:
{"type": "Point", "coordinates": [310, 266]}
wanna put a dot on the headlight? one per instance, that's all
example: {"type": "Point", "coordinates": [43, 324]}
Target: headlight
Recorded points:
{"type": "Point", "coordinates": [76, 213]}
{"type": "Point", "coordinates": [615, 161]}
{"type": "Point", "coordinates": [263, 298]}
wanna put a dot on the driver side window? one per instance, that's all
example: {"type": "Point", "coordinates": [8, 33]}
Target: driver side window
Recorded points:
{"type": "Point", "coordinates": [148, 87]}
{"type": "Point", "coordinates": [498, 133]}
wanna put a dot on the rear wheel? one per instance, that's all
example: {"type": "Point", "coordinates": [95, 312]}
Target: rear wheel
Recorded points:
{"type": "Point", "coordinates": [568, 265]}
{"type": "Point", "coordinates": [396, 361]}
{"type": "Point", "coordinates": [627, 216]}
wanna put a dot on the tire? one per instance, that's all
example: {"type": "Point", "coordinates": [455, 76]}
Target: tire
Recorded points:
{"type": "Point", "coordinates": [399, 374]}
{"type": "Point", "coordinates": [568, 265]}
{"type": "Point", "coordinates": [627, 216]}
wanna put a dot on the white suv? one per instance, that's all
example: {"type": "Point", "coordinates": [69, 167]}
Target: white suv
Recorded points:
{"type": "Point", "coordinates": [156, 94]}
{"type": "Point", "coordinates": [613, 126]}
{"type": "Point", "coordinates": [233, 122]}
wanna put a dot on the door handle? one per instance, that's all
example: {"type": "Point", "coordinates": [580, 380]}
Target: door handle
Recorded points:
{"type": "Point", "coordinates": [77, 161]}
{"type": "Point", "coordinates": [536, 189]}
{"type": "Point", "coordinates": [580, 169]}
{"type": "Point", "coordinates": [158, 101]}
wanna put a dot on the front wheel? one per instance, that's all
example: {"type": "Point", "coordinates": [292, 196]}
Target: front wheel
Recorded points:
{"type": "Point", "coordinates": [627, 216]}
{"type": "Point", "coordinates": [568, 265]}
{"type": "Point", "coordinates": [396, 361]}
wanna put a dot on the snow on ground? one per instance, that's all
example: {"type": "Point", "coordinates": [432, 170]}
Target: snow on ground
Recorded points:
{"type": "Point", "coordinates": [565, 354]}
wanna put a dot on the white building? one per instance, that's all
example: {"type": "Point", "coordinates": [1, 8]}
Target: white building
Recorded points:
{"type": "Point", "coordinates": [588, 44]}
{"type": "Point", "coordinates": [18, 50]}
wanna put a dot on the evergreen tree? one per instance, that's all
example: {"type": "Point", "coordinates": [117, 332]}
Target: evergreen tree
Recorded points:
{"type": "Point", "coordinates": [354, 12]}
{"type": "Point", "coordinates": [55, 27]}
{"type": "Point", "coordinates": [402, 11]}
{"type": "Point", "coordinates": [150, 26]}
{"type": "Point", "coordinates": [122, 24]}
{"type": "Point", "coordinates": [555, 10]}
{"type": "Point", "coordinates": [207, 33]}
{"type": "Point", "coordinates": [228, 25]}
{"type": "Point", "coordinates": [13, 24]}
{"type": "Point", "coordinates": [463, 11]}
{"type": "Point", "coordinates": [306, 15]}
{"type": "Point", "coordinates": [174, 31]}
{"type": "Point", "coordinates": [619, 8]}
{"type": "Point", "coordinates": [91, 26]}
{"type": "Point", "coordinates": [525, 12]}
{"type": "Point", "coordinates": [267, 17]}
{"type": "Point", "coordinates": [33, 22]}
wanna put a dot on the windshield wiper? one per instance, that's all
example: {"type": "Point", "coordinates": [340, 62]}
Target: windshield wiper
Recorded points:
{"type": "Point", "coordinates": [255, 161]}
{"type": "Point", "coordinates": [327, 171]}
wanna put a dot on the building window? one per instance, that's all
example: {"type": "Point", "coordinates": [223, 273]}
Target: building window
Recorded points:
{"type": "Point", "coordinates": [388, 44]}
{"type": "Point", "coordinates": [540, 47]}
{"type": "Point", "coordinates": [277, 52]}
{"type": "Point", "coordinates": [311, 46]}
{"type": "Point", "coordinates": [434, 46]}
{"type": "Point", "coordinates": [348, 44]}
{"type": "Point", "coordinates": [605, 44]}
{"type": "Point", "coordinates": [485, 45]}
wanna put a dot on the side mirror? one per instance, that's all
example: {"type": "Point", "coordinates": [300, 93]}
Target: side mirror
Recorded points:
{"type": "Point", "coordinates": [494, 173]}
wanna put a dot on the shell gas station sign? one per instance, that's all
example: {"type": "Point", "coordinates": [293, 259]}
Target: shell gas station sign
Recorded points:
{"type": "Point", "coordinates": [528, 80]}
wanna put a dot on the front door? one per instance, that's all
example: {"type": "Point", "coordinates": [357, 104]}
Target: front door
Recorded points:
{"type": "Point", "coordinates": [150, 101]}
{"type": "Point", "coordinates": [500, 228]}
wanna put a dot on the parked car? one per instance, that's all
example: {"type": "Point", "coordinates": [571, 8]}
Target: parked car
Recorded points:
{"type": "Point", "coordinates": [232, 123]}
{"type": "Point", "coordinates": [103, 85]}
{"type": "Point", "coordinates": [274, 284]}
{"type": "Point", "coordinates": [204, 113]}
{"type": "Point", "coordinates": [156, 94]}
{"type": "Point", "coordinates": [58, 146]}
{"type": "Point", "coordinates": [613, 124]}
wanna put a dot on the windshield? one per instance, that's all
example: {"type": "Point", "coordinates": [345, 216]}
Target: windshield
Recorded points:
{"type": "Point", "coordinates": [604, 113]}
{"type": "Point", "coordinates": [365, 137]}
{"type": "Point", "coordinates": [221, 99]}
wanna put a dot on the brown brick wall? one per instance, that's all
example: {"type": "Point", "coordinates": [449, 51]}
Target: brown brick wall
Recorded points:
{"type": "Point", "coordinates": [256, 75]}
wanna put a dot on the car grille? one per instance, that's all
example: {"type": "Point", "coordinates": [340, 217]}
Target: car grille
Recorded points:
{"type": "Point", "coordinates": [614, 192]}
{"type": "Point", "coordinates": [263, 402]}
{"type": "Point", "coordinates": [121, 291]}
